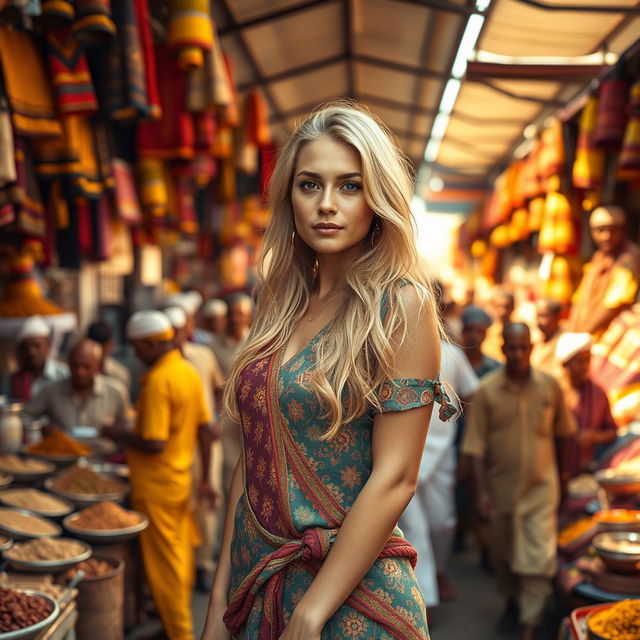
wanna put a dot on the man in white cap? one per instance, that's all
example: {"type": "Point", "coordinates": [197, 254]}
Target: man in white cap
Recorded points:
{"type": "Point", "coordinates": [86, 397]}
{"type": "Point", "coordinates": [610, 281]}
{"type": "Point", "coordinates": [588, 402]}
{"type": "Point", "coordinates": [36, 368]}
{"type": "Point", "coordinates": [204, 361]}
{"type": "Point", "coordinates": [172, 416]}
{"type": "Point", "coordinates": [213, 321]}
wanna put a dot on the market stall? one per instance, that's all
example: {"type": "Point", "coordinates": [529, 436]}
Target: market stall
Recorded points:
{"type": "Point", "coordinates": [66, 532]}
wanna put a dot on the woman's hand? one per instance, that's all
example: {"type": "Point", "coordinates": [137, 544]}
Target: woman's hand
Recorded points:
{"type": "Point", "coordinates": [302, 626]}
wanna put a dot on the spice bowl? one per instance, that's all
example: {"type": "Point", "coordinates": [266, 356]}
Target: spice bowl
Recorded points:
{"type": "Point", "coordinates": [25, 473]}
{"type": "Point", "coordinates": [619, 484]}
{"type": "Point", "coordinates": [613, 520]}
{"type": "Point", "coordinates": [35, 630]}
{"type": "Point", "coordinates": [105, 536]}
{"type": "Point", "coordinates": [620, 551]}
{"type": "Point", "coordinates": [65, 508]}
{"type": "Point", "coordinates": [48, 566]}
{"type": "Point", "coordinates": [82, 500]}
{"type": "Point", "coordinates": [49, 528]}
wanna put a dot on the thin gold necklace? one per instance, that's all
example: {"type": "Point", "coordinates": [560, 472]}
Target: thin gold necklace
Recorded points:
{"type": "Point", "coordinates": [329, 295]}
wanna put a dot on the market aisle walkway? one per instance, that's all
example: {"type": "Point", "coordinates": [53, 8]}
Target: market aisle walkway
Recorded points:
{"type": "Point", "coordinates": [471, 616]}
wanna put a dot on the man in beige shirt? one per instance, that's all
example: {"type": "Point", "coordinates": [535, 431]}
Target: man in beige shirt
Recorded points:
{"type": "Point", "coordinates": [86, 398]}
{"type": "Point", "coordinates": [543, 354]}
{"type": "Point", "coordinates": [516, 415]}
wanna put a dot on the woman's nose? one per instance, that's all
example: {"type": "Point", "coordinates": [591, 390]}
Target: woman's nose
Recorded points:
{"type": "Point", "coordinates": [327, 203]}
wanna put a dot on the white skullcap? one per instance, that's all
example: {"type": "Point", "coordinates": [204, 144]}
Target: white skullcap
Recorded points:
{"type": "Point", "coordinates": [176, 300]}
{"type": "Point", "coordinates": [571, 344]}
{"type": "Point", "coordinates": [194, 300]}
{"type": "Point", "coordinates": [215, 307]}
{"type": "Point", "coordinates": [177, 316]}
{"type": "Point", "coordinates": [149, 325]}
{"type": "Point", "coordinates": [33, 327]}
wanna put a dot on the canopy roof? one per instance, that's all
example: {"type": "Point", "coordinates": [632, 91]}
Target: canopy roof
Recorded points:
{"type": "Point", "coordinates": [396, 57]}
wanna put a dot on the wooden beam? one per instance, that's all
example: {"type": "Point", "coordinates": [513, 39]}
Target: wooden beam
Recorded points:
{"type": "Point", "coordinates": [272, 16]}
{"type": "Point", "coordinates": [606, 7]}
{"type": "Point", "coordinates": [229, 19]}
{"type": "Point", "coordinates": [479, 71]}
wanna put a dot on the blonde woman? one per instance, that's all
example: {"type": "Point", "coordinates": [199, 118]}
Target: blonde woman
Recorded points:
{"type": "Point", "coordinates": [334, 388]}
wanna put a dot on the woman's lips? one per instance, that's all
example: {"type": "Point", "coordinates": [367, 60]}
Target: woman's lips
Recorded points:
{"type": "Point", "coordinates": [327, 231]}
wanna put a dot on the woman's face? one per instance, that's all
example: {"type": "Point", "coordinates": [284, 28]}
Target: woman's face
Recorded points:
{"type": "Point", "coordinates": [330, 211]}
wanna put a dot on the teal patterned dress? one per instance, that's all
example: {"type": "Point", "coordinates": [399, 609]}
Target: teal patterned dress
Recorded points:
{"type": "Point", "coordinates": [297, 490]}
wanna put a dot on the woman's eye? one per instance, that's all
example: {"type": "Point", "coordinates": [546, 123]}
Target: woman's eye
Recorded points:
{"type": "Point", "coordinates": [308, 185]}
{"type": "Point", "coordinates": [351, 186]}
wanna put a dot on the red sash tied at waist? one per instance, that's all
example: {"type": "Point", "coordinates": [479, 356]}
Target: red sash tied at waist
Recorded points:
{"type": "Point", "coordinates": [314, 545]}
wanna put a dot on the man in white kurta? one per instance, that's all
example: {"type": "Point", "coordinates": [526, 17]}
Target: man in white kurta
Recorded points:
{"type": "Point", "coordinates": [429, 521]}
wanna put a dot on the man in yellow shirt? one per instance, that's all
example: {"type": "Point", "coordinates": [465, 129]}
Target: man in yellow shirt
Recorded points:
{"type": "Point", "coordinates": [172, 415]}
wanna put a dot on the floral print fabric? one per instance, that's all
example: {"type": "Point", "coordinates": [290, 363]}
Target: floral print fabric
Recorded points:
{"type": "Point", "coordinates": [389, 592]}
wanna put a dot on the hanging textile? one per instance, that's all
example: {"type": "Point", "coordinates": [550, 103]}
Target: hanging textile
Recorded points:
{"type": "Point", "coordinates": [629, 165]}
{"type": "Point", "coordinates": [187, 217]}
{"type": "Point", "coordinates": [72, 84]}
{"type": "Point", "coordinates": [84, 226]}
{"type": "Point", "coordinates": [612, 114]}
{"type": "Point", "coordinates": [552, 156]}
{"type": "Point", "coordinates": [100, 214]}
{"type": "Point", "coordinates": [190, 31]}
{"type": "Point", "coordinates": [588, 168]}
{"type": "Point", "coordinates": [93, 23]}
{"type": "Point", "coordinates": [230, 113]}
{"type": "Point", "coordinates": [7, 215]}
{"type": "Point", "coordinates": [7, 157]}
{"type": "Point", "coordinates": [27, 85]}
{"type": "Point", "coordinates": [149, 56]}
{"type": "Point", "coordinates": [30, 216]}
{"type": "Point", "coordinates": [258, 130]}
{"type": "Point", "coordinates": [67, 238]}
{"type": "Point", "coordinates": [73, 156]}
{"type": "Point", "coordinates": [559, 227]}
{"type": "Point", "coordinates": [173, 137]}
{"type": "Point", "coordinates": [154, 195]}
{"type": "Point", "coordinates": [125, 83]}
{"type": "Point", "coordinates": [127, 203]}
{"type": "Point", "coordinates": [532, 182]}
{"type": "Point", "coordinates": [209, 85]}
{"type": "Point", "coordinates": [56, 13]}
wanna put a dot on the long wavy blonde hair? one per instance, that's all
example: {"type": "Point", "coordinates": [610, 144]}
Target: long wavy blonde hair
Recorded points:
{"type": "Point", "coordinates": [357, 355]}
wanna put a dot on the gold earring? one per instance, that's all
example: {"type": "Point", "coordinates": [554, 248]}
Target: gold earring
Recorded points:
{"type": "Point", "coordinates": [377, 230]}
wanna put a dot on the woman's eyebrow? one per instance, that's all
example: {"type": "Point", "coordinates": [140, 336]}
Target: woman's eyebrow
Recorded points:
{"type": "Point", "coordinates": [317, 176]}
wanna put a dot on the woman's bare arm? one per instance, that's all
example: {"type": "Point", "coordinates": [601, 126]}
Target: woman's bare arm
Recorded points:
{"type": "Point", "coordinates": [214, 627]}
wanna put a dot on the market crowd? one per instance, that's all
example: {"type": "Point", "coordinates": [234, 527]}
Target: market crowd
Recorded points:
{"type": "Point", "coordinates": [534, 416]}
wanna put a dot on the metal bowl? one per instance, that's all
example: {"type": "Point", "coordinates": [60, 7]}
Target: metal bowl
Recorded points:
{"type": "Point", "coordinates": [110, 469]}
{"type": "Point", "coordinates": [106, 536]}
{"type": "Point", "coordinates": [30, 476]}
{"type": "Point", "coordinates": [619, 561]}
{"type": "Point", "coordinates": [35, 630]}
{"type": "Point", "coordinates": [632, 524]}
{"type": "Point", "coordinates": [64, 510]}
{"type": "Point", "coordinates": [18, 534]}
{"type": "Point", "coordinates": [82, 500]}
{"type": "Point", "coordinates": [48, 566]}
{"type": "Point", "coordinates": [618, 484]}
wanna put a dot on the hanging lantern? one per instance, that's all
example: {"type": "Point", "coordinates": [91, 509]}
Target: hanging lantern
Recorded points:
{"type": "Point", "coordinates": [499, 237]}
{"type": "Point", "coordinates": [478, 249]}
